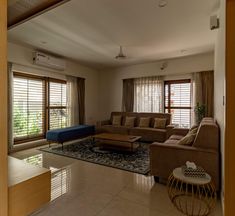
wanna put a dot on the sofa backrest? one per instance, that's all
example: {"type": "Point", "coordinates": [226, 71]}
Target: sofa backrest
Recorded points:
{"type": "Point", "coordinates": [207, 134]}
{"type": "Point", "coordinates": [167, 116]}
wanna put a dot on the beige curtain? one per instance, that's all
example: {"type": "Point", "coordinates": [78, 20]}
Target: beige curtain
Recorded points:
{"type": "Point", "coordinates": [207, 79]}
{"type": "Point", "coordinates": [72, 101]}
{"type": "Point", "coordinates": [203, 91]}
{"type": "Point", "coordinates": [81, 99]}
{"type": "Point", "coordinates": [148, 94]}
{"type": "Point", "coordinates": [128, 95]}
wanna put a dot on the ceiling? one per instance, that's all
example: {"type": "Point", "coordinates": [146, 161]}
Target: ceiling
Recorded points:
{"type": "Point", "coordinates": [91, 31]}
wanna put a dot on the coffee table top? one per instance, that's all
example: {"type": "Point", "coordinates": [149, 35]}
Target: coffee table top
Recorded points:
{"type": "Point", "coordinates": [117, 137]}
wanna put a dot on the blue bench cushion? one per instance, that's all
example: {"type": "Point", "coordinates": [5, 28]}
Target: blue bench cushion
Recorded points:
{"type": "Point", "coordinates": [70, 133]}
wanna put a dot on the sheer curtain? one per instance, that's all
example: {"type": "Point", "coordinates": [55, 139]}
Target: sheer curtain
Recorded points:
{"type": "Point", "coordinates": [148, 94]}
{"type": "Point", "coordinates": [72, 100]}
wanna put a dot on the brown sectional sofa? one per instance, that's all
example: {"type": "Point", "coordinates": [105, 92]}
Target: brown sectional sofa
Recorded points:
{"type": "Point", "coordinates": [164, 157]}
{"type": "Point", "coordinates": [148, 134]}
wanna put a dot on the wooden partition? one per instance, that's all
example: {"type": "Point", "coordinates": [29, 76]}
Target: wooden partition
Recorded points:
{"type": "Point", "coordinates": [29, 187]}
{"type": "Point", "coordinates": [3, 109]}
{"type": "Point", "coordinates": [230, 111]}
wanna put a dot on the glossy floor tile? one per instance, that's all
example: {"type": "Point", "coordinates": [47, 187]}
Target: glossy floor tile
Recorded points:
{"type": "Point", "coordinates": [84, 189]}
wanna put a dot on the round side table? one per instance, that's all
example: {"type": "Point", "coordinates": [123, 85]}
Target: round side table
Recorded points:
{"type": "Point", "coordinates": [192, 196]}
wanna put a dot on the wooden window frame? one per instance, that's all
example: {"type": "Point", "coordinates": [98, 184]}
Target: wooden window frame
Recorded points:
{"type": "Point", "coordinates": [46, 102]}
{"type": "Point", "coordinates": [48, 107]}
{"type": "Point", "coordinates": [169, 83]}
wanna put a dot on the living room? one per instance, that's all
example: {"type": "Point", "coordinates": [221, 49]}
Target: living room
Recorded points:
{"type": "Point", "coordinates": [120, 79]}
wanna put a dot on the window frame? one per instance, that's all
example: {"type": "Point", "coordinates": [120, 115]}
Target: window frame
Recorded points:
{"type": "Point", "coordinates": [46, 110]}
{"type": "Point", "coordinates": [169, 83]}
{"type": "Point", "coordinates": [48, 107]}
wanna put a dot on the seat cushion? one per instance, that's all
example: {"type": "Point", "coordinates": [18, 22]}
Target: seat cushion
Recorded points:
{"type": "Point", "coordinates": [171, 142]}
{"type": "Point", "coordinates": [65, 134]}
{"type": "Point", "coordinates": [115, 129]}
{"type": "Point", "coordinates": [176, 137]}
{"type": "Point", "coordinates": [149, 134]}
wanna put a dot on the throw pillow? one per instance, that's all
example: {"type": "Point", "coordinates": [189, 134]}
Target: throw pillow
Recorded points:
{"type": "Point", "coordinates": [116, 120]}
{"type": "Point", "coordinates": [144, 122]}
{"type": "Point", "coordinates": [129, 122]}
{"type": "Point", "coordinates": [193, 131]}
{"type": "Point", "coordinates": [188, 139]}
{"type": "Point", "coordinates": [193, 127]}
{"type": "Point", "coordinates": [160, 123]}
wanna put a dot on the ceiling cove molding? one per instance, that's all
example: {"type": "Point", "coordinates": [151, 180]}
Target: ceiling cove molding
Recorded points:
{"type": "Point", "coordinates": [20, 11]}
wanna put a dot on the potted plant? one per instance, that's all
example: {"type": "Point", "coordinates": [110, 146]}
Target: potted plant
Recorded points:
{"type": "Point", "coordinates": [200, 111]}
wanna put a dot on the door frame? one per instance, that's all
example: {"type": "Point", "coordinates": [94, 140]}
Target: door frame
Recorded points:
{"type": "Point", "coordinates": [229, 192]}
{"type": "Point", "coordinates": [3, 110]}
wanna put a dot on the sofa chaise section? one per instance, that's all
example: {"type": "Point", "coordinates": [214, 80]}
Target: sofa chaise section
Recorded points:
{"type": "Point", "coordinates": [165, 157]}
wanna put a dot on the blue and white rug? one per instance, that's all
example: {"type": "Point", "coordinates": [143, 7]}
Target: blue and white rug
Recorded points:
{"type": "Point", "coordinates": [137, 161]}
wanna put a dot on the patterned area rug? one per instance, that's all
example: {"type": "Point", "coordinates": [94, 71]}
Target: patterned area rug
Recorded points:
{"type": "Point", "coordinates": [137, 162]}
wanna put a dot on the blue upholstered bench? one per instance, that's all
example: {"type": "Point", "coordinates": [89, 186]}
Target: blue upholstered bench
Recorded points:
{"type": "Point", "coordinates": [70, 133]}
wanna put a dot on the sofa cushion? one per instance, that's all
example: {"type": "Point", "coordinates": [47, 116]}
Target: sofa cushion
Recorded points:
{"type": "Point", "coordinates": [144, 122]}
{"type": "Point", "coordinates": [193, 127]}
{"type": "Point", "coordinates": [188, 139]}
{"type": "Point", "coordinates": [115, 129]}
{"type": "Point", "coordinates": [116, 120]}
{"type": "Point", "coordinates": [149, 134]}
{"type": "Point", "coordinates": [176, 137]}
{"type": "Point", "coordinates": [160, 123]}
{"type": "Point", "coordinates": [171, 142]}
{"type": "Point", "coordinates": [129, 121]}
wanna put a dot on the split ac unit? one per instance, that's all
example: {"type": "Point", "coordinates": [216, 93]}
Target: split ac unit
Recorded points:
{"type": "Point", "coordinates": [49, 61]}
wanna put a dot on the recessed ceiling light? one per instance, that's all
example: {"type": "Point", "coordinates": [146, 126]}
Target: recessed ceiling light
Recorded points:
{"type": "Point", "coordinates": [162, 3]}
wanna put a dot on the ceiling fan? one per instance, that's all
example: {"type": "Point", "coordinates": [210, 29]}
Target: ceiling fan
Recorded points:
{"type": "Point", "coordinates": [120, 54]}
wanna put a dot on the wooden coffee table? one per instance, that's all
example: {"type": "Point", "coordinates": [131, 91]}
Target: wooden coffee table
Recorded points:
{"type": "Point", "coordinates": [117, 141]}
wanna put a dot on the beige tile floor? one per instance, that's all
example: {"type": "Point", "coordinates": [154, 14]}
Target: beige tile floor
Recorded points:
{"type": "Point", "coordinates": [85, 189]}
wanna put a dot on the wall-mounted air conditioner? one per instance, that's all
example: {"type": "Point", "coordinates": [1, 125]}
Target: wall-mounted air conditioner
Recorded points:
{"type": "Point", "coordinates": [49, 61]}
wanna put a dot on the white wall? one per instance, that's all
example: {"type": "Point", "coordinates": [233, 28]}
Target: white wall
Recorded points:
{"type": "Point", "coordinates": [220, 83]}
{"type": "Point", "coordinates": [180, 68]}
{"type": "Point", "coordinates": [22, 58]}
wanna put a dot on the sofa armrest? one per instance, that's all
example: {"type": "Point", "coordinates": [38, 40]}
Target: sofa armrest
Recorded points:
{"type": "Point", "coordinates": [180, 131]}
{"type": "Point", "coordinates": [101, 123]}
{"type": "Point", "coordinates": [169, 130]}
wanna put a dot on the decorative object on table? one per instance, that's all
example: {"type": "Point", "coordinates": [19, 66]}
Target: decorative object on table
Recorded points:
{"type": "Point", "coordinates": [191, 170]}
{"type": "Point", "coordinates": [86, 150]}
{"type": "Point", "coordinates": [191, 196]}
{"type": "Point", "coordinates": [200, 111]}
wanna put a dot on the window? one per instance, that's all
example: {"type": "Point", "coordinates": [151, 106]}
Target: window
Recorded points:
{"type": "Point", "coordinates": [28, 108]}
{"type": "Point", "coordinates": [57, 109]}
{"type": "Point", "coordinates": [148, 94]}
{"type": "Point", "coordinates": [39, 104]}
{"type": "Point", "coordinates": [178, 102]}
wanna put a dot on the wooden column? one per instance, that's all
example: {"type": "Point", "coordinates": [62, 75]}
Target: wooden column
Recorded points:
{"type": "Point", "coordinates": [3, 110]}
{"type": "Point", "coordinates": [230, 110]}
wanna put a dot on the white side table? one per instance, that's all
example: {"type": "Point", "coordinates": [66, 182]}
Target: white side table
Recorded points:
{"type": "Point", "coordinates": [192, 196]}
